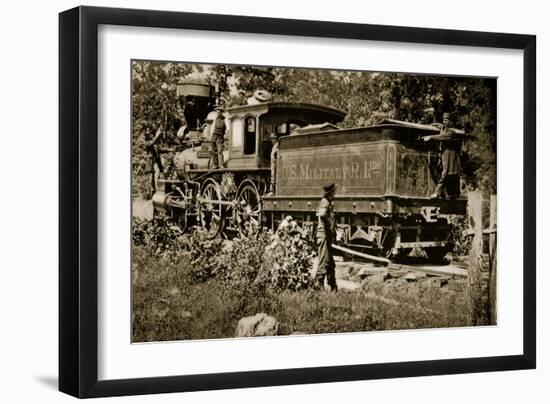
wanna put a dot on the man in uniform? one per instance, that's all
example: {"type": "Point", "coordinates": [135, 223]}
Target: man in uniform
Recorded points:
{"type": "Point", "coordinates": [217, 139]}
{"type": "Point", "coordinates": [274, 156]}
{"type": "Point", "coordinates": [153, 164]}
{"type": "Point", "coordinates": [326, 235]}
{"type": "Point", "coordinates": [183, 132]}
{"type": "Point", "coordinates": [450, 160]}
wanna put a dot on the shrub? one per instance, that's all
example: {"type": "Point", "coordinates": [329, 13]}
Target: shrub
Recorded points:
{"type": "Point", "coordinates": [461, 244]}
{"type": "Point", "coordinates": [288, 259]}
{"type": "Point", "coordinates": [162, 237]}
{"type": "Point", "coordinates": [279, 261]}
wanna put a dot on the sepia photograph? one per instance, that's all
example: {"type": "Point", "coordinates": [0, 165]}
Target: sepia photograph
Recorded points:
{"type": "Point", "coordinates": [283, 201]}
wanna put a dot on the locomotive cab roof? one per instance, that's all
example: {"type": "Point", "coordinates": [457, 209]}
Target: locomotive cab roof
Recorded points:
{"type": "Point", "coordinates": [307, 112]}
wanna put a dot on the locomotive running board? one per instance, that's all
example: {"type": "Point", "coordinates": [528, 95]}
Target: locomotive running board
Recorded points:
{"type": "Point", "coordinates": [362, 255]}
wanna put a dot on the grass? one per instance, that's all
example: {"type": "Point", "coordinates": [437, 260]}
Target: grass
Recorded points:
{"type": "Point", "coordinates": [169, 305]}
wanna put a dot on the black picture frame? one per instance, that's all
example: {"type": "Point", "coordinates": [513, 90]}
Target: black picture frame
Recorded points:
{"type": "Point", "coordinates": [78, 201]}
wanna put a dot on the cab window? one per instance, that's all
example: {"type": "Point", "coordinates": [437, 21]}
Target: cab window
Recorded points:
{"type": "Point", "coordinates": [282, 129]}
{"type": "Point", "coordinates": [237, 133]}
{"type": "Point", "coordinates": [250, 135]}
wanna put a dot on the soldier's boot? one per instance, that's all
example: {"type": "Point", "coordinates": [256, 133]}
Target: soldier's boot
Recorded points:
{"type": "Point", "coordinates": [332, 283]}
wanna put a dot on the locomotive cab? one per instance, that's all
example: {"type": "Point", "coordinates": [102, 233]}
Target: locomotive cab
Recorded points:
{"type": "Point", "coordinates": [252, 125]}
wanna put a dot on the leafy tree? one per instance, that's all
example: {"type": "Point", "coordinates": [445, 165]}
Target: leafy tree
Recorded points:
{"type": "Point", "coordinates": [154, 106]}
{"type": "Point", "coordinates": [472, 105]}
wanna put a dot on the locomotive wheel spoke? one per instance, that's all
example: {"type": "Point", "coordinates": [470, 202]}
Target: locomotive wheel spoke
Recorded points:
{"type": "Point", "coordinates": [211, 213]}
{"type": "Point", "coordinates": [248, 214]}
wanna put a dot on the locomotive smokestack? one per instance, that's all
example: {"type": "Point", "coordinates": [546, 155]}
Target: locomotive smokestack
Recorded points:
{"type": "Point", "coordinates": [196, 98]}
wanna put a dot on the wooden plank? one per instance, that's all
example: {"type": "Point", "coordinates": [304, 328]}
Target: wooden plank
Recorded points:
{"type": "Point", "coordinates": [474, 296]}
{"type": "Point", "coordinates": [492, 285]}
{"type": "Point", "coordinates": [448, 270]}
{"type": "Point", "coordinates": [362, 255]}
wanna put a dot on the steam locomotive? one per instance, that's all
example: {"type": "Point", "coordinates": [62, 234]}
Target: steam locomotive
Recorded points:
{"type": "Point", "coordinates": [385, 175]}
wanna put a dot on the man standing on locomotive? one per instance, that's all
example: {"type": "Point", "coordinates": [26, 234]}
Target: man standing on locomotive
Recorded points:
{"type": "Point", "coordinates": [218, 139]}
{"type": "Point", "coordinates": [326, 235]}
{"type": "Point", "coordinates": [274, 156]}
{"type": "Point", "coordinates": [450, 160]}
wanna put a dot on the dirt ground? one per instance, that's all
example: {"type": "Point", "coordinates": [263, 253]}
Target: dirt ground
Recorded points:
{"type": "Point", "coordinates": [142, 209]}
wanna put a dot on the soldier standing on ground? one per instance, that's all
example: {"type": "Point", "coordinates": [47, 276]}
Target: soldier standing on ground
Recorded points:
{"type": "Point", "coordinates": [153, 164]}
{"type": "Point", "coordinates": [217, 139]}
{"type": "Point", "coordinates": [326, 235]}
{"type": "Point", "coordinates": [449, 146]}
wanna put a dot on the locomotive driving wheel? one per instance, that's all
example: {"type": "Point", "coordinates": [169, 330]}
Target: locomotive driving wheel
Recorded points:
{"type": "Point", "coordinates": [211, 210]}
{"type": "Point", "coordinates": [248, 210]}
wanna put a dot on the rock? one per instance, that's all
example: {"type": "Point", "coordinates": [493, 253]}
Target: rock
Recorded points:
{"type": "Point", "coordinates": [161, 308]}
{"type": "Point", "coordinates": [174, 291]}
{"type": "Point", "coordinates": [347, 285]}
{"type": "Point", "coordinates": [375, 279]}
{"type": "Point", "coordinates": [227, 246]}
{"type": "Point", "coordinates": [259, 325]}
{"type": "Point", "coordinates": [456, 286]}
{"type": "Point", "coordinates": [185, 314]}
{"type": "Point", "coordinates": [398, 273]}
{"type": "Point", "coordinates": [414, 276]}
{"type": "Point", "coordinates": [435, 282]}
{"type": "Point", "coordinates": [375, 275]}
{"type": "Point", "coordinates": [344, 270]}
{"type": "Point", "coordinates": [364, 272]}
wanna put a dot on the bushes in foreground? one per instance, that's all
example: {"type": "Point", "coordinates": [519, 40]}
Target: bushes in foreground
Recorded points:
{"type": "Point", "coordinates": [188, 286]}
{"type": "Point", "coordinates": [168, 305]}
{"type": "Point", "coordinates": [278, 261]}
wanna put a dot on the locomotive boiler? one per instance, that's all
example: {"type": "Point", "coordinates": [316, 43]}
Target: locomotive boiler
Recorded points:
{"type": "Point", "coordinates": [385, 175]}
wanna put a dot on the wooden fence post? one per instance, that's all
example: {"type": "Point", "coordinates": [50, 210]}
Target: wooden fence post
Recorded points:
{"type": "Point", "coordinates": [492, 292]}
{"type": "Point", "coordinates": [474, 291]}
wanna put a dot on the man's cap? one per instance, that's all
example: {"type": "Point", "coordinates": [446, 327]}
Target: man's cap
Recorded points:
{"type": "Point", "coordinates": [329, 188]}
{"type": "Point", "coordinates": [446, 115]}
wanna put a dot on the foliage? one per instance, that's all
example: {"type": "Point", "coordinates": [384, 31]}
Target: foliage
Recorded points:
{"type": "Point", "coordinates": [288, 259]}
{"type": "Point", "coordinates": [191, 286]}
{"type": "Point", "coordinates": [167, 305]}
{"type": "Point", "coordinates": [154, 106]}
{"type": "Point", "coordinates": [271, 261]}
{"type": "Point", "coordinates": [472, 105]}
{"type": "Point", "coordinates": [461, 243]}
{"type": "Point", "coordinates": [160, 236]}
